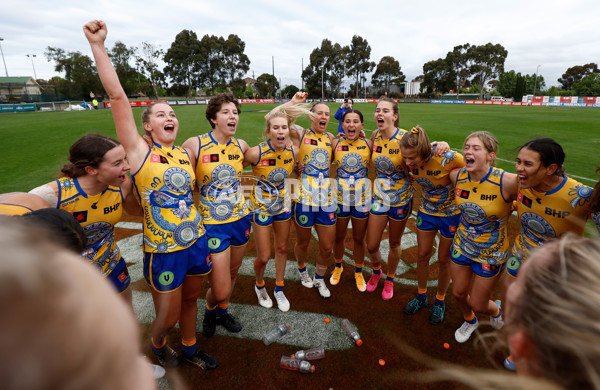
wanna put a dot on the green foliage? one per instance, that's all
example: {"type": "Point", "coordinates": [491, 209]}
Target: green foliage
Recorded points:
{"type": "Point", "coordinates": [211, 62]}
{"type": "Point", "coordinates": [588, 86]}
{"type": "Point", "coordinates": [388, 72]}
{"type": "Point", "coordinates": [576, 73]}
{"type": "Point", "coordinates": [267, 85]}
{"type": "Point", "coordinates": [327, 63]}
{"type": "Point", "coordinates": [358, 60]}
{"type": "Point", "coordinates": [487, 62]}
{"type": "Point", "coordinates": [120, 55]}
{"type": "Point", "coordinates": [438, 76]}
{"type": "Point", "coordinates": [235, 62]}
{"type": "Point", "coordinates": [80, 73]}
{"type": "Point", "coordinates": [553, 91]}
{"type": "Point", "coordinates": [289, 91]}
{"type": "Point", "coordinates": [182, 60]}
{"type": "Point", "coordinates": [146, 62]}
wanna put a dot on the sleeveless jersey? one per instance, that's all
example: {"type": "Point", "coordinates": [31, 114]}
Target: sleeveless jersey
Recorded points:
{"type": "Point", "coordinates": [549, 215]}
{"type": "Point", "coordinates": [97, 215]}
{"type": "Point", "coordinates": [482, 234]}
{"type": "Point", "coordinates": [391, 186]}
{"type": "Point", "coordinates": [13, 209]}
{"type": "Point", "coordinates": [352, 161]}
{"type": "Point", "coordinates": [164, 185]}
{"type": "Point", "coordinates": [433, 176]}
{"type": "Point", "coordinates": [219, 171]}
{"type": "Point", "coordinates": [269, 194]}
{"type": "Point", "coordinates": [315, 154]}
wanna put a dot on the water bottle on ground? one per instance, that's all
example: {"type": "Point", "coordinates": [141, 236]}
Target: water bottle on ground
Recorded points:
{"type": "Point", "coordinates": [310, 354]}
{"type": "Point", "coordinates": [276, 333]}
{"type": "Point", "coordinates": [352, 332]}
{"type": "Point", "coordinates": [290, 363]}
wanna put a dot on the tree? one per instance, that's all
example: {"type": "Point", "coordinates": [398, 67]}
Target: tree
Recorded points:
{"type": "Point", "coordinates": [357, 59]}
{"type": "Point", "coordinates": [120, 56]}
{"type": "Point", "coordinates": [576, 73]}
{"type": "Point", "coordinates": [507, 83]}
{"type": "Point", "coordinates": [267, 85]}
{"type": "Point", "coordinates": [211, 62]}
{"type": "Point", "coordinates": [328, 62]}
{"type": "Point", "coordinates": [519, 88]}
{"type": "Point", "coordinates": [79, 69]}
{"type": "Point", "coordinates": [588, 86]}
{"type": "Point", "coordinates": [289, 91]}
{"type": "Point", "coordinates": [438, 76]}
{"type": "Point", "coordinates": [487, 62]}
{"type": "Point", "coordinates": [182, 60]}
{"type": "Point", "coordinates": [146, 61]}
{"type": "Point", "coordinates": [533, 81]}
{"type": "Point", "coordinates": [388, 72]}
{"type": "Point", "coordinates": [235, 62]}
{"type": "Point", "coordinates": [459, 62]}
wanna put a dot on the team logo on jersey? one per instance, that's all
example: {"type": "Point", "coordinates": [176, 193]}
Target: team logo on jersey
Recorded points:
{"type": "Point", "coordinates": [378, 149]}
{"type": "Point", "coordinates": [269, 162]}
{"type": "Point", "coordinates": [177, 179]}
{"type": "Point", "coordinates": [525, 200]}
{"type": "Point", "coordinates": [210, 158]}
{"type": "Point", "coordinates": [80, 216]}
{"type": "Point", "coordinates": [343, 148]}
{"type": "Point", "coordinates": [157, 158]}
{"type": "Point", "coordinates": [166, 278]}
{"type": "Point", "coordinates": [415, 171]}
{"type": "Point", "coordinates": [462, 193]}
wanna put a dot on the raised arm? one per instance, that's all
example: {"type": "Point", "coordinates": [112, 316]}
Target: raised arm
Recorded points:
{"type": "Point", "coordinates": [136, 148]}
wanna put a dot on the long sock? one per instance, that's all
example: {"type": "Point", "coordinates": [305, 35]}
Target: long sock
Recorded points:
{"type": "Point", "coordinates": [358, 269]}
{"type": "Point", "coordinates": [422, 294]}
{"type": "Point", "coordinates": [377, 270]}
{"type": "Point", "coordinates": [338, 263]}
{"type": "Point", "coordinates": [471, 319]}
{"type": "Point", "coordinates": [222, 309]}
{"type": "Point", "coordinates": [301, 269]}
{"type": "Point", "coordinates": [440, 300]}
{"type": "Point", "coordinates": [317, 276]}
{"type": "Point", "coordinates": [278, 286]}
{"type": "Point", "coordinates": [499, 313]}
{"type": "Point", "coordinates": [158, 348]}
{"type": "Point", "coordinates": [390, 277]}
{"type": "Point", "coordinates": [260, 286]}
{"type": "Point", "coordinates": [189, 347]}
{"type": "Point", "coordinates": [210, 311]}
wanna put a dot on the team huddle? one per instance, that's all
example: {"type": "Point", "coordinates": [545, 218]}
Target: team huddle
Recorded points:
{"type": "Point", "coordinates": [464, 198]}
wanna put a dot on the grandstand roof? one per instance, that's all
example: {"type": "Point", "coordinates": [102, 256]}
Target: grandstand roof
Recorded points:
{"type": "Point", "coordinates": [15, 80]}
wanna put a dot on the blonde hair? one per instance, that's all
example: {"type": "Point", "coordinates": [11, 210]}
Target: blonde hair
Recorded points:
{"type": "Point", "coordinates": [490, 143]}
{"type": "Point", "coordinates": [417, 140]}
{"type": "Point", "coordinates": [290, 113]}
{"type": "Point", "coordinates": [558, 307]}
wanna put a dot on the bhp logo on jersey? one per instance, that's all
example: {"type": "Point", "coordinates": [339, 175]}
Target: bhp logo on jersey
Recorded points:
{"type": "Point", "coordinates": [525, 200]}
{"type": "Point", "coordinates": [210, 158]}
{"type": "Point", "coordinates": [462, 193]}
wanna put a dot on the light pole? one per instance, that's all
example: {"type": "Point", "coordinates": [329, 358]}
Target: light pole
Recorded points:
{"type": "Point", "coordinates": [31, 57]}
{"type": "Point", "coordinates": [535, 82]}
{"type": "Point", "coordinates": [5, 69]}
{"type": "Point", "coordinates": [322, 91]}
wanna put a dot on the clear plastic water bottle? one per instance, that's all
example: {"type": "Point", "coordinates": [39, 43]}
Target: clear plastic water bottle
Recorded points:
{"type": "Point", "coordinates": [310, 354]}
{"type": "Point", "coordinates": [352, 332]}
{"type": "Point", "coordinates": [290, 363]}
{"type": "Point", "coordinates": [276, 333]}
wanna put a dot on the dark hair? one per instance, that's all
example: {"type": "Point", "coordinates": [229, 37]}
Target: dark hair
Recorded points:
{"type": "Point", "coordinates": [550, 153]}
{"type": "Point", "coordinates": [215, 104]}
{"type": "Point", "coordinates": [353, 111]}
{"type": "Point", "coordinates": [417, 140]}
{"type": "Point", "coordinates": [88, 150]}
{"type": "Point", "coordinates": [60, 226]}
{"type": "Point", "coordinates": [394, 107]}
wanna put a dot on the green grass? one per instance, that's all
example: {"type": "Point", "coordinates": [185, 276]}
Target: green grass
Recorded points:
{"type": "Point", "coordinates": [35, 144]}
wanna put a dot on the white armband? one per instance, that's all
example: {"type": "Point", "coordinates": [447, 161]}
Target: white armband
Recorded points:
{"type": "Point", "coordinates": [47, 193]}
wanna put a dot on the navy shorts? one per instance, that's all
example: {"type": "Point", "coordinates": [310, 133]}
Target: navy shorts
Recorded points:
{"type": "Point", "coordinates": [445, 225]}
{"type": "Point", "coordinates": [483, 270]}
{"type": "Point", "coordinates": [308, 216]}
{"type": "Point", "coordinates": [165, 272]}
{"type": "Point", "coordinates": [399, 213]}
{"type": "Point", "coordinates": [267, 220]}
{"type": "Point", "coordinates": [358, 212]}
{"type": "Point", "coordinates": [119, 276]}
{"type": "Point", "coordinates": [222, 236]}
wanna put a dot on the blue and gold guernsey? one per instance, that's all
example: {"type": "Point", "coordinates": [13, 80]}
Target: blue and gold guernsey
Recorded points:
{"type": "Point", "coordinates": [13, 209]}
{"type": "Point", "coordinates": [549, 215]}
{"type": "Point", "coordinates": [315, 154]}
{"type": "Point", "coordinates": [352, 159]}
{"type": "Point", "coordinates": [97, 215]}
{"type": "Point", "coordinates": [219, 171]}
{"type": "Point", "coordinates": [269, 196]}
{"type": "Point", "coordinates": [482, 234]}
{"type": "Point", "coordinates": [164, 185]}
{"type": "Point", "coordinates": [433, 176]}
{"type": "Point", "coordinates": [391, 187]}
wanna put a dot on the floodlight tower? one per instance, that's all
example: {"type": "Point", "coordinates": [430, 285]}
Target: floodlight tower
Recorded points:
{"type": "Point", "coordinates": [535, 82]}
{"type": "Point", "coordinates": [31, 57]}
{"type": "Point", "coordinates": [5, 68]}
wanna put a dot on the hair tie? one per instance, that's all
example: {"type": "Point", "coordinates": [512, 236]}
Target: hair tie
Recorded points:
{"type": "Point", "coordinates": [414, 130]}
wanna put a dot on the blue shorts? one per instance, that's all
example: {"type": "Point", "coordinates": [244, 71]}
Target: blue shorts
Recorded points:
{"type": "Point", "coordinates": [119, 276]}
{"type": "Point", "coordinates": [445, 225]}
{"type": "Point", "coordinates": [358, 212]}
{"type": "Point", "coordinates": [165, 272]}
{"type": "Point", "coordinates": [483, 270]}
{"type": "Point", "coordinates": [267, 220]}
{"type": "Point", "coordinates": [222, 236]}
{"type": "Point", "coordinates": [399, 213]}
{"type": "Point", "coordinates": [513, 265]}
{"type": "Point", "coordinates": [308, 216]}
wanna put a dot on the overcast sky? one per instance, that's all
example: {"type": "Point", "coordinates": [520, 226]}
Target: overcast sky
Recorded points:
{"type": "Point", "coordinates": [553, 34]}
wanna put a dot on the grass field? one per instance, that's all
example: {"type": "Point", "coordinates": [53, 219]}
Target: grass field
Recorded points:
{"type": "Point", "coordinates": [35, 145]}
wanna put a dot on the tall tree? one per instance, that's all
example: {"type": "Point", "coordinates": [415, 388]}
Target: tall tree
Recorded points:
{"type": "Point", "coordinates": [487, 62]}
{"type": "Point", "coordinates": [438, 76]}
{"type": "Point", "coordinates": [358, 60]}
{"type": "Point", "coordinates": [182, 60]}
{"type": "Point", "coordinates": [460, 62]}
{"type": "Point", "coordinates": [327, 65]}
{"type": "Point", "coordinates": [588, 86]}
{"type": "Point", "coordinates": [267, 85]}
{"type": "Point", "coordinates": [519, 88]}
{"type": "Point", "coordinates": [507, 83]}
{"type": "Point", "coordinates": [388, 72]}
{"type": "Point", "coordinates": [146, 60]}
{"type": "Point", "coordinates": [576, 73]}
{"type": "Point", "coordinates": [79, 69]}
{"type": "Point", "coordinates": [121, 56]}
{"type": "Point", "coordinates": [235, 62]}
{"type": "Point", "coordinates": [211, 62]}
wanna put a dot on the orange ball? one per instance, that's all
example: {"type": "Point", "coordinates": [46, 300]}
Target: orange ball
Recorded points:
{"type": "Point", "coordinates": [446, 346]}
{"type": "Point", "coordinates": [327, 320]}
{"type": "Point", "coordinates": [381, 362]}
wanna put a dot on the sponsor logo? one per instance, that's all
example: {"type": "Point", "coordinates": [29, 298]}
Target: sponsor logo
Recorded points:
{"type": "Point", "coordinates": [80, 216]}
